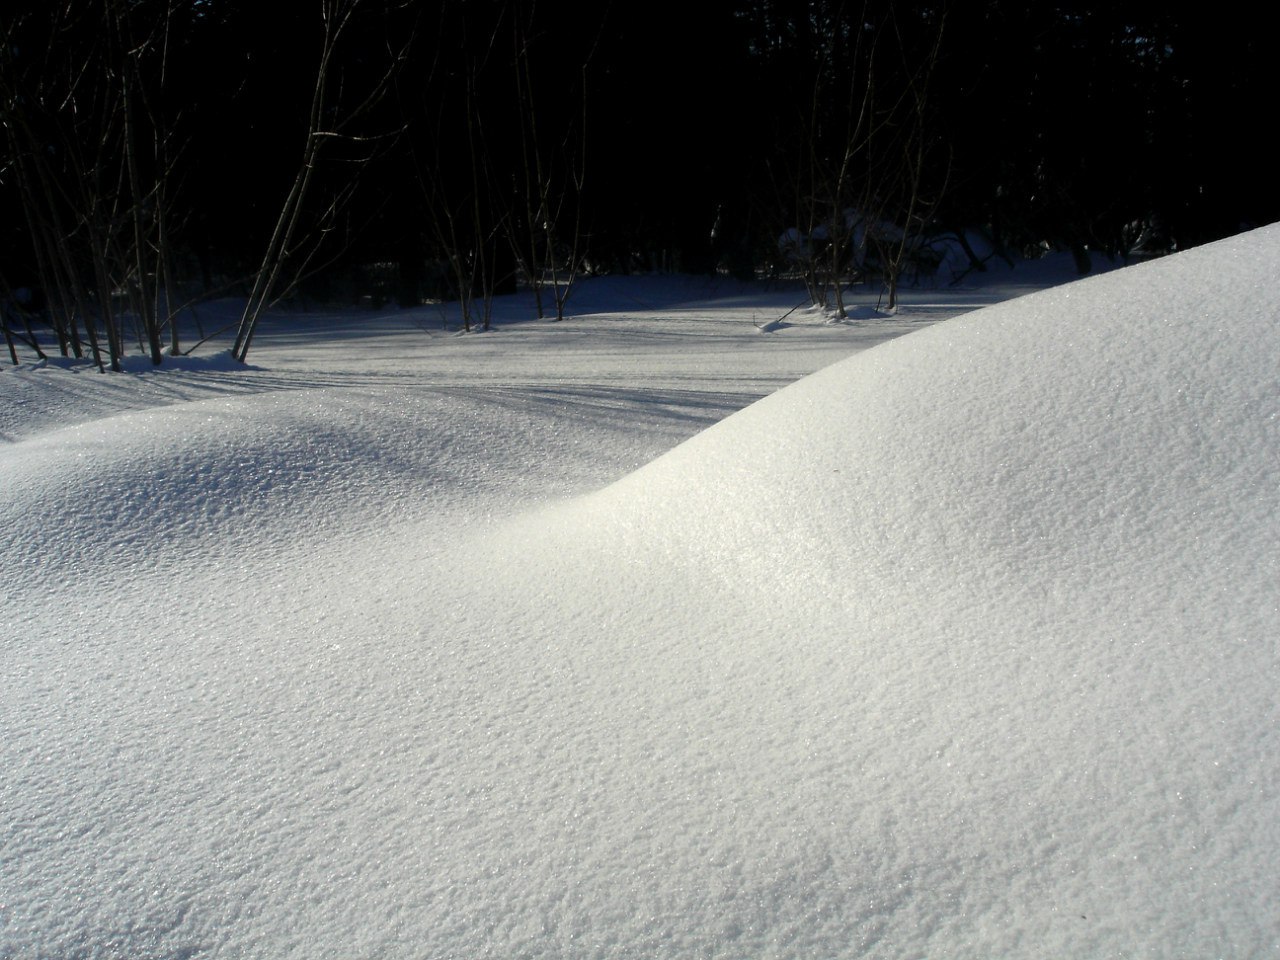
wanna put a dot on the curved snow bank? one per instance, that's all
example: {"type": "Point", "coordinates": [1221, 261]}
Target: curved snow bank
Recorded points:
{"type": "Point", "coordinates": [982, 625]}
{"type": "Point", "coordinates": [965, 647]}
{"type": "Point", "coordinates": [1131, 412]}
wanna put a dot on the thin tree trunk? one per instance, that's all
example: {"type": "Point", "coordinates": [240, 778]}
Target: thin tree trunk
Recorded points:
{"type": "Point", "coordinates": [8, 336]}
{"type": "Point", "coordinates": [145, 303]}
{"type": "Point", "coordinates": [290, 211]}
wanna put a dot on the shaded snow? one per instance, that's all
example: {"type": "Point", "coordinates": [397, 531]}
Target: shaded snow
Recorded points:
{"type": "Point", "coordinates": [964, 646]}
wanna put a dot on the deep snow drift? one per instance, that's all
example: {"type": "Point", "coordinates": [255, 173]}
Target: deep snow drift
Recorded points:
{"type": "Point", "coordinates": [965, 646]}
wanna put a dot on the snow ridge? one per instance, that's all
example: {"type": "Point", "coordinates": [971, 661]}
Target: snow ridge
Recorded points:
{"type": "Point", "coordinates": [964, 646]}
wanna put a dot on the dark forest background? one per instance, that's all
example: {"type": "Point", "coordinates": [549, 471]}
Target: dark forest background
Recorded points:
{"type": "Point", "coordinates": [158, 151]}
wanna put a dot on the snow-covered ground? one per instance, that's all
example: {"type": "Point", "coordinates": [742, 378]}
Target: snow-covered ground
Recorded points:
{"type": "Point", "coordinates": [526, 644]}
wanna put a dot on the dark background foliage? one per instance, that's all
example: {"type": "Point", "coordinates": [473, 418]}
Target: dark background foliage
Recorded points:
{"type": "Point", "coordinates": [1057, 122]}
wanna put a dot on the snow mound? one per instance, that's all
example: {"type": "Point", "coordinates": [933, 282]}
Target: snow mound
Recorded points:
{"type": "Point", "coordinates": [963, 647]}
{"type": "Point", "coordinates": [987, 619]}
{"type": "Point", "coordinates": [1087, 431]}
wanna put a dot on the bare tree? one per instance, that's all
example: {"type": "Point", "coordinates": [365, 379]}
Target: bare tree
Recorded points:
{"type": "Point", "coordinates": [864, 150]}
{"type": "Point", "coordinates": [498, 212]}
{"type": "Point", "coordinates": [459, 194]}
{"type": "Point", "coordinates": [48, 112]}
{"type": "Point", "coordinates": [469, 205]}
{"type": "Point", "coordinates": [904, 165]}
{"type": "Point", "coordinates": [331, 117]}
{"type": "Point", "coordinates": [547, 237]}
{"type": "Point", "coordinates": [92, 156]}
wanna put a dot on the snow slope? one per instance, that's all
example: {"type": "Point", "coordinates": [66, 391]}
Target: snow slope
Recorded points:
{"type": "Point", "coordinates": [964, 646]}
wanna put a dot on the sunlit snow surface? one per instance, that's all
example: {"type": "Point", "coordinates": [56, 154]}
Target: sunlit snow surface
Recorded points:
{"type": "Point", "coordinates": [964, 646]}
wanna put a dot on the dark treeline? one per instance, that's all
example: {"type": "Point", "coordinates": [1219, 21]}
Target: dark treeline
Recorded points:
{"type": "Point", "coordinates": [156, 152]}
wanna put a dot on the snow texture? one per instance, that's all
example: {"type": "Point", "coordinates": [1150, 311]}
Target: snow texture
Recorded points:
{"type": "Point", "coordinates": [963, 646]}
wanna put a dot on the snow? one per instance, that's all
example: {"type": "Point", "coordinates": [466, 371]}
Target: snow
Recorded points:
{"type": "Point", "coordinates": [526, 644]}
